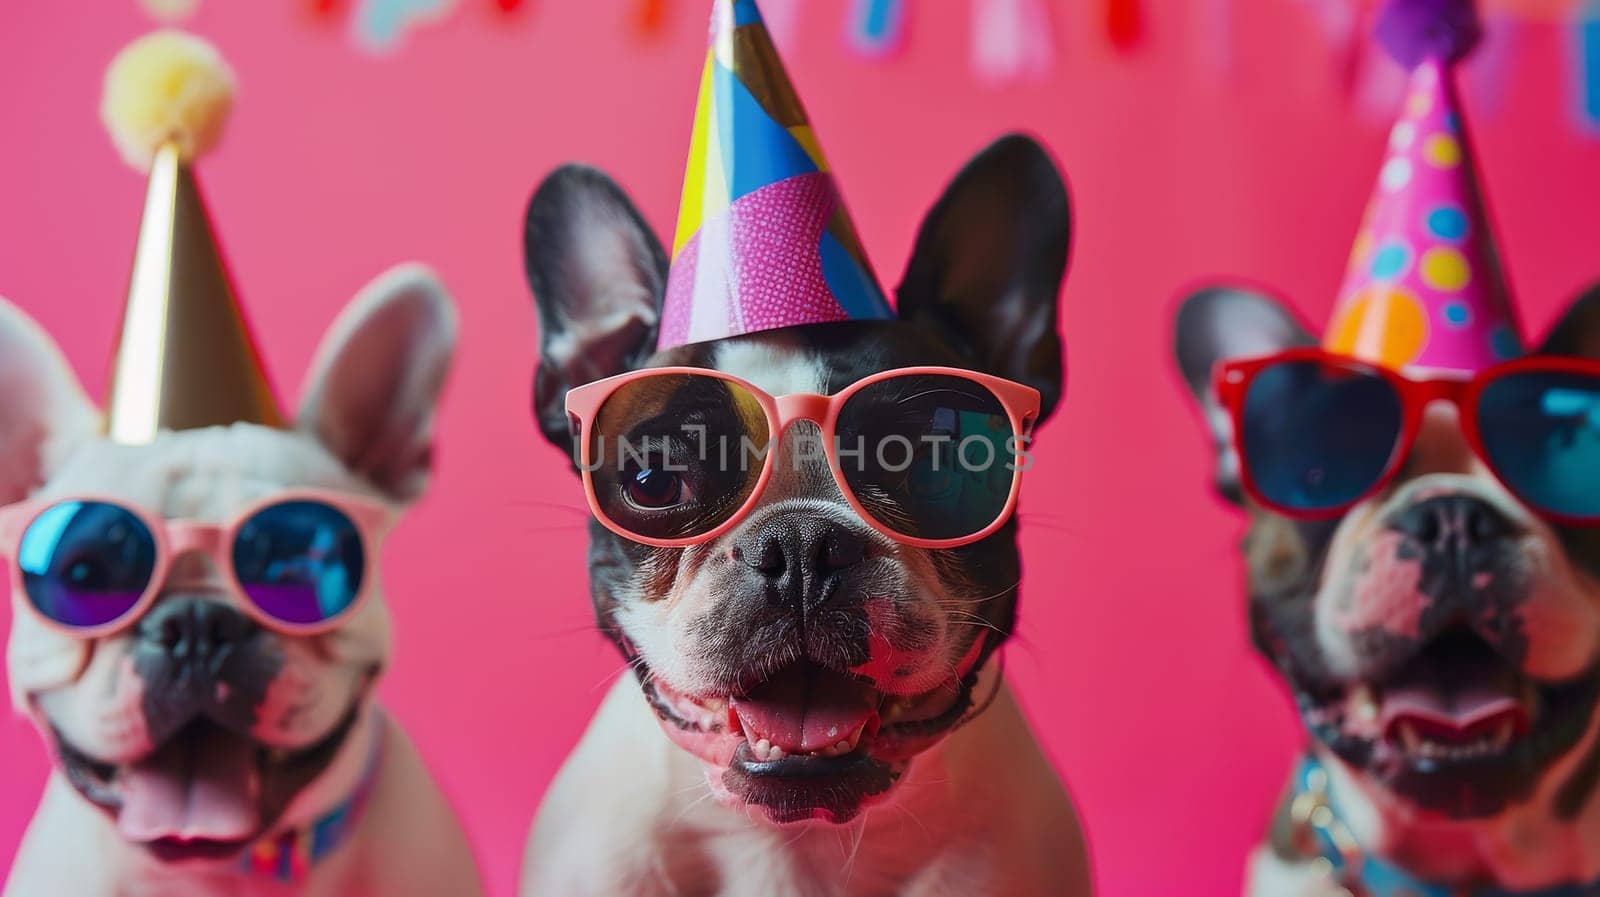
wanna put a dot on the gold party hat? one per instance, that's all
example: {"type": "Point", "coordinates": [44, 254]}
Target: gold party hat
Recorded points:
{"type": "Point", "coordinates": [185, 358]}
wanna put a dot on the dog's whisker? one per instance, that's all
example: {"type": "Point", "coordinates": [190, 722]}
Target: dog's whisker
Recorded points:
{"type": "Point", "coordinates": [856, 831]}
{"type": "Point", "coordinates": [979, 624]}
{"type": "Point", "coordinates": [793, 840]}
{"type": "Point", "coordinates": [553, 528]}
{"type": "Point", "coordinates": [611, 677]}
{"type": "Point", "coordinates": [696, 786]}
{"type": "Point", "coordinates": [689, 808]}
{"type": "Point", "coordinates": [906, 811]}
{"type": "Point", "coordinates": [568, 632]}
{"type": "Point", "coordinates": [553, 505]}
{"type": "Point", "coordinates": [987, 598]}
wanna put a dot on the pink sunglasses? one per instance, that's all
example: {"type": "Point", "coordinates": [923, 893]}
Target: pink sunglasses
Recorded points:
{"type": "Point", "coordinates": [91, 566]}
{"type": "Point", "coordinates": [931, 457]}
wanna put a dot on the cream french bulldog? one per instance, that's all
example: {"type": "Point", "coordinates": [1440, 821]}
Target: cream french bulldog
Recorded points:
{"type": "Point", "coordinates": [195, 743]}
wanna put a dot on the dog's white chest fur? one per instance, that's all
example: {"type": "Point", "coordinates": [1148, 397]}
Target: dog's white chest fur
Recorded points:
{"type": "Point", "coordinates": [630, 815]}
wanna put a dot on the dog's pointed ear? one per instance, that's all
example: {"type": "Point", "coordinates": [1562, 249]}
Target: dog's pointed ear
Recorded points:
{"type": "Point", "coordinates": [378, 377]}
{"type": "Point", "coordinates": [598, 276]}
{"type": "Point", "coordinates": [44, 413]}
{"type": "Point", "coordinates": [1219, 323]}
{"type": "Point", "coordinates": [1577, 334]}
{"type": "Point", "coordinates": [986, 272]}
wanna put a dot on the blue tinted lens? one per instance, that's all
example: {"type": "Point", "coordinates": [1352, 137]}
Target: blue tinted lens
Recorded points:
{"type": "Point", "coordinates": [929, 455]}
{"type": "Point", "coordinates": [1541, 432]}
{"type": "Point", "coordinates": [85, 563]}
{"type": "Point", "coordinates": [301, 562]}
{"type": "Point", "coordinates": [1317, 436]}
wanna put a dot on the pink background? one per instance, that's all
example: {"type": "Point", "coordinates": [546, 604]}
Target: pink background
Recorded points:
{"type": "Point", "coordinates": [1132, 657]}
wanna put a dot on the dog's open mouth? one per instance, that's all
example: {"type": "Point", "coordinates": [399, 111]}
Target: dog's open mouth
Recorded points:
{"type": "Point", "coordinates": [205, 793]}
{"type": "Point", "coordinates": [1458, 728]}
{"type": "Point", "coordinates": [809, 742]}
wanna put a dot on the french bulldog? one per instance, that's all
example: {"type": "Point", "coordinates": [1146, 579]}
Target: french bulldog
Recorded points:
{"type": "Point", "coordinates": [194, 735]}
{"type": "Point", "coordinates": [937, 787]}
{"type": "Point", "coordinates": [1442, 591]}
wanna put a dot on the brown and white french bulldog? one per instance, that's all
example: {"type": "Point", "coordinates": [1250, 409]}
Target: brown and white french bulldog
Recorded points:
{"type": "Point", "coordinates": [939, 787]}
{"type": "Point", "coordinates": [1442, 597]}
{"type": "Point", "coordinates": [195, 734]}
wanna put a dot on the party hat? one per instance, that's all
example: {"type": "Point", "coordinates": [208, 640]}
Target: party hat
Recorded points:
{"type": "Point", "coordinates": [764, 240]}
{"type": "Point", "coordinates": [186, 358]}
{"type": "Point", "coordinates": [1425, 290]}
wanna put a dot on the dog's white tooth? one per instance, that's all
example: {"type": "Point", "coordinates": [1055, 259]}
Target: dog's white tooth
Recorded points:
{"type": "Point", "coordinates": [775, 753]}
{"type": "Point", "coordinates": [855, 737]}
{"type": "Point", "coordinates": [761, 749]}
{"type": "Point", "coordinates": [1366, 704]}
{"type": "Point", "coordinates": [1409, 738]}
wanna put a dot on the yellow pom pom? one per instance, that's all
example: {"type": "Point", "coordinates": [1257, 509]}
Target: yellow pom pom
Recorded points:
{"type": "Point", "coordinates": [166, 87]}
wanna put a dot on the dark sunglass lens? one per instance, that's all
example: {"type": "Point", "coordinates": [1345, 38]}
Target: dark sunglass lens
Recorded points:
{"type": "Point", "coordinates": [300, 562]}
{"type": "Point", "coordinates": [929, 456]}
{"type": "Point", "coordinates": [1541, 432]}
{"type": "Point", "coordinates": [85, 564]}
{"type": "Point", "coordinates": [1317, 436]}
{"type": "Point", "coordinates": [674, 456]}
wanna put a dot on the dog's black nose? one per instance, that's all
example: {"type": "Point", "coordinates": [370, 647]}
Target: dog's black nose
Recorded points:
{"type": "Point", "coordinates": [1452, 524]}
{"type": "Point", "coordinates": [799, 557]}
{"type": "Point", "coordinates": [196, 632]}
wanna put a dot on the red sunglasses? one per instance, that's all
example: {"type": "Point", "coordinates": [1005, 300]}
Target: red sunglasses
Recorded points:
{"type": "Point", "coordinates": [1318, 433]}
{"type": "Point", "coordinates": [929, 456]}
{"type": "Point", "coordinates": [300, 562]}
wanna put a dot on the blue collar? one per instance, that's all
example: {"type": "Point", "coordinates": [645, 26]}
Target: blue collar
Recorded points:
{"type": "Point", "coordinates": [288, 857]}
{"type": "Point", "coordinates": [1314, 813]}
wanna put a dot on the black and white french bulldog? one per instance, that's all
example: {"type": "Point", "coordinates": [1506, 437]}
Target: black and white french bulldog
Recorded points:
{"type": "Point", "coordinates": [1441, 591]}
{"type": "Point", "coordinates": [186, 740]}
{"type": "Point", "coordinates": [947, 792]}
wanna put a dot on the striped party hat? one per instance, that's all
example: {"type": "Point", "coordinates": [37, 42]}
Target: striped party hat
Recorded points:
{"type": "Point", "coordinates": [763, 239]}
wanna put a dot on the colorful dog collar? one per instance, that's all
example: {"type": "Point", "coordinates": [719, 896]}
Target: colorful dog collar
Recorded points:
{"type": "Point", "coordinates": [1314, 813]}
{"type": "Point", "coordinates": [290, 856]}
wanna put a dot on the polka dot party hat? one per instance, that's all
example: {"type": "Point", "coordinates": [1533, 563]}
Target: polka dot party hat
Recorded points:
{"type": "Point", "coordinates": [1424, 290]}
{"type": "Point", "coordinates": [764, 240]}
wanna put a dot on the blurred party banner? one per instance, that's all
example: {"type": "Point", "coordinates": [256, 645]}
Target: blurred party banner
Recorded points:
{"type": "Point", "coordinates": [381, 26]}
{"type": "Point", "coordinates": [1586, 65]}
{"type": "Point", "coordinates": [878, 27]}
{"type": "Point", "coordinates": [1012, 41]}
{"type": "Point", "coordinates": [1124, 23]}
{"type": "Point", "coordinates": [649, 17]}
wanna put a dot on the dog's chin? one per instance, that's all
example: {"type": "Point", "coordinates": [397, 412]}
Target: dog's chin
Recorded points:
{"type": "Point", "coordinates": [206, 793]}
{"type": "Point", "coordinates": [1457, 730]}
{"type": "Point", "coordinates": [808, 742]}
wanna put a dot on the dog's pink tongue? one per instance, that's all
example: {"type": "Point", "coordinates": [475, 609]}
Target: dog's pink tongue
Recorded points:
{"type": "Point", "coordinates": [1462, 709]}
{"type": "Point", "coordinates": [807, 708]}
{"type": "Point", "coordinates": [200, 788]}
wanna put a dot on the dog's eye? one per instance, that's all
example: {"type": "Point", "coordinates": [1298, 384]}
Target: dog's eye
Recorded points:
{"type": "Point", "coordinates": [652, 488]}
